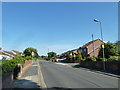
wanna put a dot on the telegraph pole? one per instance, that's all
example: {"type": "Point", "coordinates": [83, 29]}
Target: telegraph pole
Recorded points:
{"type": "Point", "coordinates": [93, 45]}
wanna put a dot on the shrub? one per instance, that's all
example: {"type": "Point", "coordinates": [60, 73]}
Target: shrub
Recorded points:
{"type": "Point", "coordinates": [101, 59]}
{"type": "Point", "coordinates": [35, 59]}
{"type": "Point", "coordinates": [79, 56]}
{"type": "Point", "coordinates": [10, 64]}
{"type": "Point", "coordinates": [114, 58]}
{"type": "Point", "coordinates": [28, 58]}
{"type": "Point", "coordinates": [90, 59]}
{"type": "Point", "coordinates": [83, 60]}
{"type": "Point", "coordinates": [5, 66]}
{"type": "Point", "coordinates": [93, 58]}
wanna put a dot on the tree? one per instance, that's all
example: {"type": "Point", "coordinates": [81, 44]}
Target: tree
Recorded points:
{"type": "Point", "coordinates": [51, 54]}
{"type": "Point", "coordinates": [79, 56]}
{"type": "Point", "coordinates": [118, 47]}
{"type": "Point", "coordinates": [69, 56]}
{"type": "Point", "coordinates": [28, 52]}
{"type": "Point", "coordinates": [44, 57]}
{"type": "Point", "coordinates": [110, 49]}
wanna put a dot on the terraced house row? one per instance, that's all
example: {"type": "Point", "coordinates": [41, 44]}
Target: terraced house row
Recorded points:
{"type": "Point", "coordinates": [9, 54]}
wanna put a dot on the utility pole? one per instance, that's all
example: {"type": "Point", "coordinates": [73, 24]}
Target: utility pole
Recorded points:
{"type": "Point", "coordinates": [48, 50]}
{"type": "Point", "coordinates": [93, 45]}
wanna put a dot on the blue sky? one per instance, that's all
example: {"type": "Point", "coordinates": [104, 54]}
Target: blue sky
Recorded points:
{"type": "Point", "coordinates": [56, 26]}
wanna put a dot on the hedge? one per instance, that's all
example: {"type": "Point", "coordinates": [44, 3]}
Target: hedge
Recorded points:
{"type": "Point", "coordinates": [96, 59]}
{"type": "Point", "coordinates": [12, 63]}
{"type": "Point", "coordinates": [90, 59]}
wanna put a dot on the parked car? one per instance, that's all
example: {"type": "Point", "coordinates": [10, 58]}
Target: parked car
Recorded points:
{"type": "Point", "coordinates": [53, 60]}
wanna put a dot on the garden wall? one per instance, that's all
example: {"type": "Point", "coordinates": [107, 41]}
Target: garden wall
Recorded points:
{"type": "Point", "coordinates": [8, 78]}
{"type": "Point", "coordinates": [110, 66]}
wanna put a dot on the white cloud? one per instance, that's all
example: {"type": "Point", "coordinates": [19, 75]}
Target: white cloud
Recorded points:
{"type": "Point", "coordinates": [105, 41]}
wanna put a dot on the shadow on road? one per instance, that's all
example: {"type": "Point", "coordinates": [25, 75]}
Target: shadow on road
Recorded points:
{"type": "Point", "coordinates": [95, 70]}
{"type": "Point", "coordinates": [62, 88]}
{"type": "Point", "coordinates": [24, 84]}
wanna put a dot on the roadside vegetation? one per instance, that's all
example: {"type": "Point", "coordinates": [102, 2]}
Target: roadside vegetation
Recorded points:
{"type": "Point", "coordinates": [7, 65]}
{"type": "Point", "coordinates": [112, 53]}
{"type": "Point", "coordinates": [44, 57]}
{"type": "Point", "coordinates": [51, 55]}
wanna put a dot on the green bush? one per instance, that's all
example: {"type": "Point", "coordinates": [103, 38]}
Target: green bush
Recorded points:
{"type": "Point", "coordinates": [101, 59]}
{"type": "Point", "coordinates": [93, 58]}
{"type": "Point", "coordinates": [90, 59]}
{"type": "Point", "coordinates": [5, 66]}
{"type": "Point", "coordinates": [35, 59]}
{"type": "Point", "coordinates": [83, 60]}
{"type": "Point", "coordinates": [113, 58]}
{"type": "Point", "coordinates": [28, 58]}
{"type": "Point", "coordinates": [10, 64]}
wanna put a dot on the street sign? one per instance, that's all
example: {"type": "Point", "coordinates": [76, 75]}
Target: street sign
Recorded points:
{"type": "Point", "coordinates": [32, 53]}
{"type": "Point", "coordinates": [103, 46]}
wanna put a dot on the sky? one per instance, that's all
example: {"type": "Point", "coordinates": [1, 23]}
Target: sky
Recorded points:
{"type": "Point", "coordinates": [56, 26]}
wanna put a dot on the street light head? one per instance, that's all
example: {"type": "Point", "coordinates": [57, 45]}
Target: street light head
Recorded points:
{"type": "Point", "coordinates": [96, 20]}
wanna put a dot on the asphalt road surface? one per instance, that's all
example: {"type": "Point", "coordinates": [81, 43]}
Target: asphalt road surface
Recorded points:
{"type": "Point", "coordinates": [60, 76]}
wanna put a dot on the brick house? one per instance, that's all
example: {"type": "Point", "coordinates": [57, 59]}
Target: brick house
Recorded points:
{"type": "Point", "coordinates": [91, 49]}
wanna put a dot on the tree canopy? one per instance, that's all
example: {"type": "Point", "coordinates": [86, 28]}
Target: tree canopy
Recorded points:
{"type": "Point", "coordinates": [44, 57]}
{"type": "Point", "coordinates": [28, 52]}
{"type": "Point", "coordinates": [79, 56]}
{"type": "Point", "coordinates": [51, 54]}
{"type": "Point", "coordinates": [110, 49]}
{"type": "Point", "coordinates": [69, 56]}
{"type": "Point", "coordinates": [118, 47]}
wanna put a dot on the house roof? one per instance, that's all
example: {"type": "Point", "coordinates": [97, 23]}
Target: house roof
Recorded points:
{"type": "Point", "coordinates": [3, 53]}
{"type": "Point", "coordinates": [74, 50]}
{"type": "Point", "coordinates": [90, 43]}
{"type": "Point", "coordinates": [83, 46]}
{"type": "Point", "coordinates": [17, 51]}
{"type": "Point", "coordinates": [10, 53]}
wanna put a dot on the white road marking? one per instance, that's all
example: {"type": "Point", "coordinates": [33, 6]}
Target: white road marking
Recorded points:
{"type": "Point", "coordinates": [41, 81]}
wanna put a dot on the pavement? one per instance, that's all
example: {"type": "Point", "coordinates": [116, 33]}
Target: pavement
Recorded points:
{"type": "Point", "coordinates": [58, 76]}
{"type": "Point", "coordinates": [29, 79]}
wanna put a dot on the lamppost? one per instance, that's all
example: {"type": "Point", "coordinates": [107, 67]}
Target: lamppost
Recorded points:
{"type": "Point", "coordinates": [102, 40]}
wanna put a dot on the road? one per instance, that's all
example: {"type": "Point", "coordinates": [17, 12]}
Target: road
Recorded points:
{"type": "Point", "coordinates": [61, 76]}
